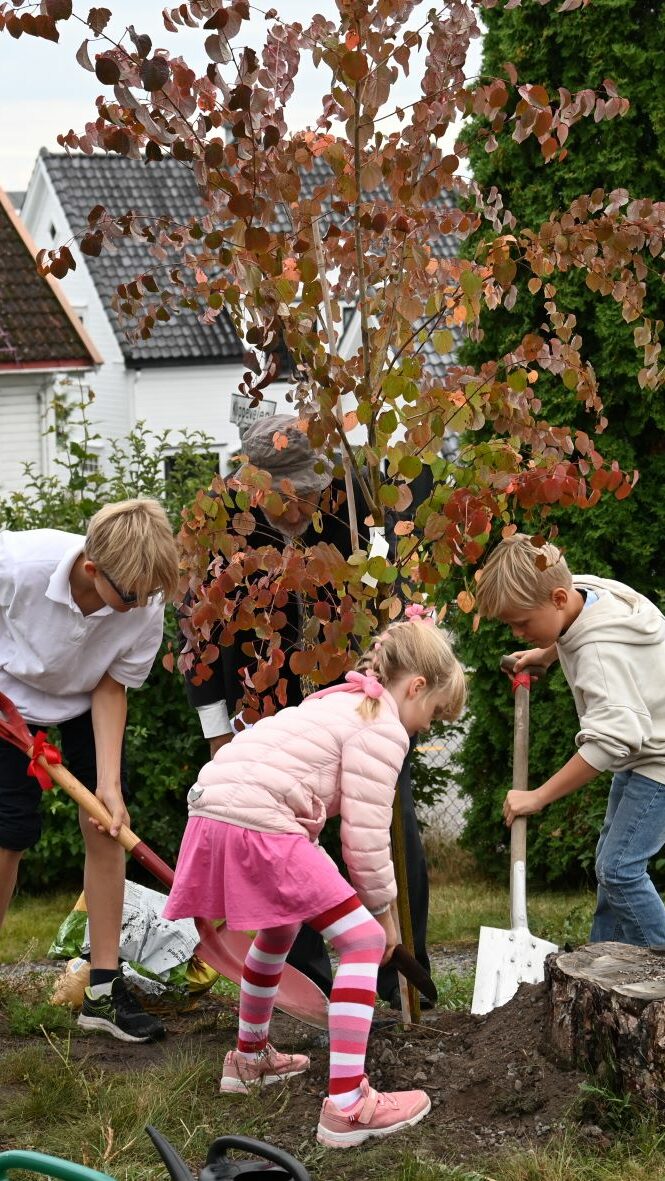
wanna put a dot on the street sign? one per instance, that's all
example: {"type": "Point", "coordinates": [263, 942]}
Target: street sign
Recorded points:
{"type": "Point", "coordinates": [243, 413]}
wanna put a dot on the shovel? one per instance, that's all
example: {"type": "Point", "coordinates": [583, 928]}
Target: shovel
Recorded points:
{"type": "Point", "coordinates": [507, 959]}
{"type": "Point", "coordinates": [223, 950]}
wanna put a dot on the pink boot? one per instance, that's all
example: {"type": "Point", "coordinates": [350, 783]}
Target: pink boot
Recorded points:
{"type": "Point", "coordinates": [375, 1114]}
{"type": "Point", "coordinates": [239, 1075]}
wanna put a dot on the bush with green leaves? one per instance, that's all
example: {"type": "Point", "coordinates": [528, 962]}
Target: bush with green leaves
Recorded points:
{"type": "Point", "coordinates": [622, 40]}
{"type": "Point", "coordinates": [164, 745]}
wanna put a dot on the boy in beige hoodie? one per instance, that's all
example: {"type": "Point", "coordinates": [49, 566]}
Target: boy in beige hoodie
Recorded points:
{"type": "Point", "coordinates": [610, 641]}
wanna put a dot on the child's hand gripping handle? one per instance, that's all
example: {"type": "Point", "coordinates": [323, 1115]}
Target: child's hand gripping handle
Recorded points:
{"type": "Point", "coordinates": [96, 809]}
{"type": "Point", "coordinates": [521, 683]}
{"type": "Point", "coordinates": [532, 671]}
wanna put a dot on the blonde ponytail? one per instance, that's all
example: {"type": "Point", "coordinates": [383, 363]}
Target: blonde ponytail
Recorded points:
{"type": "Point", "coordinates": [415, 648]}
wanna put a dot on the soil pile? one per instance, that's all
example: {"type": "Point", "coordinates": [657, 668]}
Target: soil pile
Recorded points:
{"type": "Point", "coordinates": [490, 1082]}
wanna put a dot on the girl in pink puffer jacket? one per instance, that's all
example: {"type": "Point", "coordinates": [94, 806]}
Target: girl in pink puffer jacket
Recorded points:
{"type": "Point", "coordinates": [250, 855]}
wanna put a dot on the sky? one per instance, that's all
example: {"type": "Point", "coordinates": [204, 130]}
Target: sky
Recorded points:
{"type": "Point", "coordinates": [43, 91]}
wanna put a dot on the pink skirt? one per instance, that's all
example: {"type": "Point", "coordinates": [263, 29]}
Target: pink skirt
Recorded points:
{"type": "Point", "coordinates": [254, 880]}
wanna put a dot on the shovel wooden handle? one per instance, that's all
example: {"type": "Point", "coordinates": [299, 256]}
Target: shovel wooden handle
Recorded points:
{"type": "Point", "coordinates": [521, 689]}
{"type": "Point", "coordinates": [532, 670]}
{"type": "Point", "coordinates": [96, 809]}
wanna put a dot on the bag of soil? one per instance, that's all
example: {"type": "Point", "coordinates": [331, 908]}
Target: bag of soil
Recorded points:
{"type": "Point", "coordinates": [157, 955]}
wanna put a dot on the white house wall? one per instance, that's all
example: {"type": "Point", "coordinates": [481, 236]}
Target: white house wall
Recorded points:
{"type": "Point", "coordinates": [197, 398]}
{"type": "Point", "coordinates": [21, 427]}
{"type": "Point", "coordinates": [110, 413]}
{"type": "Point", "coordinates": [169, 398]}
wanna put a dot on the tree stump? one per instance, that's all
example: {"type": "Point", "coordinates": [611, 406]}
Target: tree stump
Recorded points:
{"type": "Point", "coordinates": [606, 1012]}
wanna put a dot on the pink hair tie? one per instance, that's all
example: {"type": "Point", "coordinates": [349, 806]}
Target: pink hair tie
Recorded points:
{"type": "Point", "coordinates": [366, 682]}
{"type": "Point", "coordinates": [416, 612]}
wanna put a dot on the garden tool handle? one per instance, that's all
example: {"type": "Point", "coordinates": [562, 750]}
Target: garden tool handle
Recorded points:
{"type": "Point", "coordinates": [95, 808]}
{"type": "Point", "coordinates": [48, 1166]}
{"type": "Point", "coordinates": [521, 689]}
{"type": "Point", "coordinates": [508, 663]}
{"type": "Point", "coordinates": [89, 802]}
{"type": "Point", "coordinates": [217, 1152]}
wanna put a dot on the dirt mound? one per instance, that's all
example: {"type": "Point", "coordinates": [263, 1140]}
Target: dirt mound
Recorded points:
{"type": "Point", "coordinates": [489, 1081]}
{"type": "Point", "coordinates": [488, 1078]}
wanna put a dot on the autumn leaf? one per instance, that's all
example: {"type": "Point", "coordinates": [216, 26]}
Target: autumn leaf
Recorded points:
{"type": "Point", "coordinates": [107, 70]}
{"type": "Point", "coordinates": [354, 65]}
{"type": "Point", "coordinates": [98, 18]}
{"type": "Point", "coordinates": [154, 73]}
{"type": "Point", "coordinates": [257, 239]}
{"type": "Point", "coordinates": [465, 601]}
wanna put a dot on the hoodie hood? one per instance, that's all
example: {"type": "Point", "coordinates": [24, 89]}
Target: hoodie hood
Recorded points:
{"type": "Point", "coordinates": [621, 616]}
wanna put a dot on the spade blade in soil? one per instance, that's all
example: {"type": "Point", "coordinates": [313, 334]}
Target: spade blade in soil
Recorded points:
{"type": "Point", "coordinates": [507, 959]}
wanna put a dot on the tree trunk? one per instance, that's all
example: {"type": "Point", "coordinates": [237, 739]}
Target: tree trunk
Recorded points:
{"type": "Point", "coordinates": [606, 1012]}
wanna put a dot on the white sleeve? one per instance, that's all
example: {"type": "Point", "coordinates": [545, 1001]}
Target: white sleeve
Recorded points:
{"type": "Point", "coordinates": [214, 719]}
{"type": "Point", "coordinates": [131, 667]}
{"type": "Point", "coordinates": [615, 721]}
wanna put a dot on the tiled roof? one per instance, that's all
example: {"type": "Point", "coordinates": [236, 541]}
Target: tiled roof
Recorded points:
{"type": "Point", "coordinates": [38, 328]}
{"type": "Point", "coordinates": [81, 182]}
{"type": "Point", "coordinates": [164, 187]}
{"type": "Point", "coordinates": [443, 246]}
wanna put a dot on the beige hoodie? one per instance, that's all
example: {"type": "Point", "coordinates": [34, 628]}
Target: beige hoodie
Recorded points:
{"type": "Point", "coordinates": [613, 657]}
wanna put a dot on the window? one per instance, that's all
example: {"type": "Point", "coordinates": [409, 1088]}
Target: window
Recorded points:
{"type": "Point", "coordinates": [90, 465]}
{"type": "Point", "coordinates": [347, 316]}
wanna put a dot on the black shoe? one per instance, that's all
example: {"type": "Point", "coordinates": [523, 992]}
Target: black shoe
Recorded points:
{"type": "Point", "coordinates": [119, 1014]}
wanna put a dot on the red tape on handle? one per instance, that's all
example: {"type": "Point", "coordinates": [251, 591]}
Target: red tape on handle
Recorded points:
{"type": "Point", "coordinates": [522, 679]}
{"type": "Point", "coordinates": [40, 747]}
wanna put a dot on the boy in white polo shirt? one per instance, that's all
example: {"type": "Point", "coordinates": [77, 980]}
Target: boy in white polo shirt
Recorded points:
{"type": "Point", "coordinates": [81, 620]}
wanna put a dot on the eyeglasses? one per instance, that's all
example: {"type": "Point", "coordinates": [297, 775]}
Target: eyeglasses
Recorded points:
{"type": "Point", "coordinates": [129, 598]}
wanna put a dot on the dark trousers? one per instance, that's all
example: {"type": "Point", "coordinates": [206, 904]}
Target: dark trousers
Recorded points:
{"type": "Point", "coordinates": [20, 793]}
{"type": "Point", "coordinates": [309, 953]}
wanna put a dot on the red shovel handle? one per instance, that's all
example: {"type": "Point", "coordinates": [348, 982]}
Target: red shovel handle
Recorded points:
{"type": "Point", "coordinates": [14, 728]}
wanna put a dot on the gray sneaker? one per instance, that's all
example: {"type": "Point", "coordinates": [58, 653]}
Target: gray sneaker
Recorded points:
{"type": "Point", "coordinates": [119, 1014]}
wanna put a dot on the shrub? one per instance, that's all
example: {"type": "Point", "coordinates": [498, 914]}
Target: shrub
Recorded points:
{"type": "Point", "coordinates": [623, 539]}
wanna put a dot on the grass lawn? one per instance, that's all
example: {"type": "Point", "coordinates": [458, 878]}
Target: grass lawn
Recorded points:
{"type": "Point", "coordinates": [460, 903]}
{"type": "Point", "coordinates": [31, 924]}
{"type": "Point", "coordinates": [459, 909]}
{"type": "Point", "coordinates": [77, 1108]}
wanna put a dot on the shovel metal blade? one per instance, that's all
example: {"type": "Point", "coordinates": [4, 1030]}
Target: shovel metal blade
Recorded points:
{"type": "Point", "coordinates": [507, 959]}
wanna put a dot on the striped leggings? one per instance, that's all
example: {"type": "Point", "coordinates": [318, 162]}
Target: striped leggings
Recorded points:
{"type": "Point", "coordinates": [359, 941]}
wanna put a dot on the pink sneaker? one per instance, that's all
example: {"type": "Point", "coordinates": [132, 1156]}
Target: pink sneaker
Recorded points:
{"type": "Point", "coordinates": [239, 1075]}
{"type": "Point", "coordinates": [375, 1114]}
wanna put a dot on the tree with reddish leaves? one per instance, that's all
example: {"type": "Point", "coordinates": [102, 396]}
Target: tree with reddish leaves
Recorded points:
{"type": "Point", "coordinates": [364, 236]}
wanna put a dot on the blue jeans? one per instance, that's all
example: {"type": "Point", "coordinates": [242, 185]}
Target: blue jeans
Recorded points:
{"type": "Point", "coordinates": [629, 908]}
